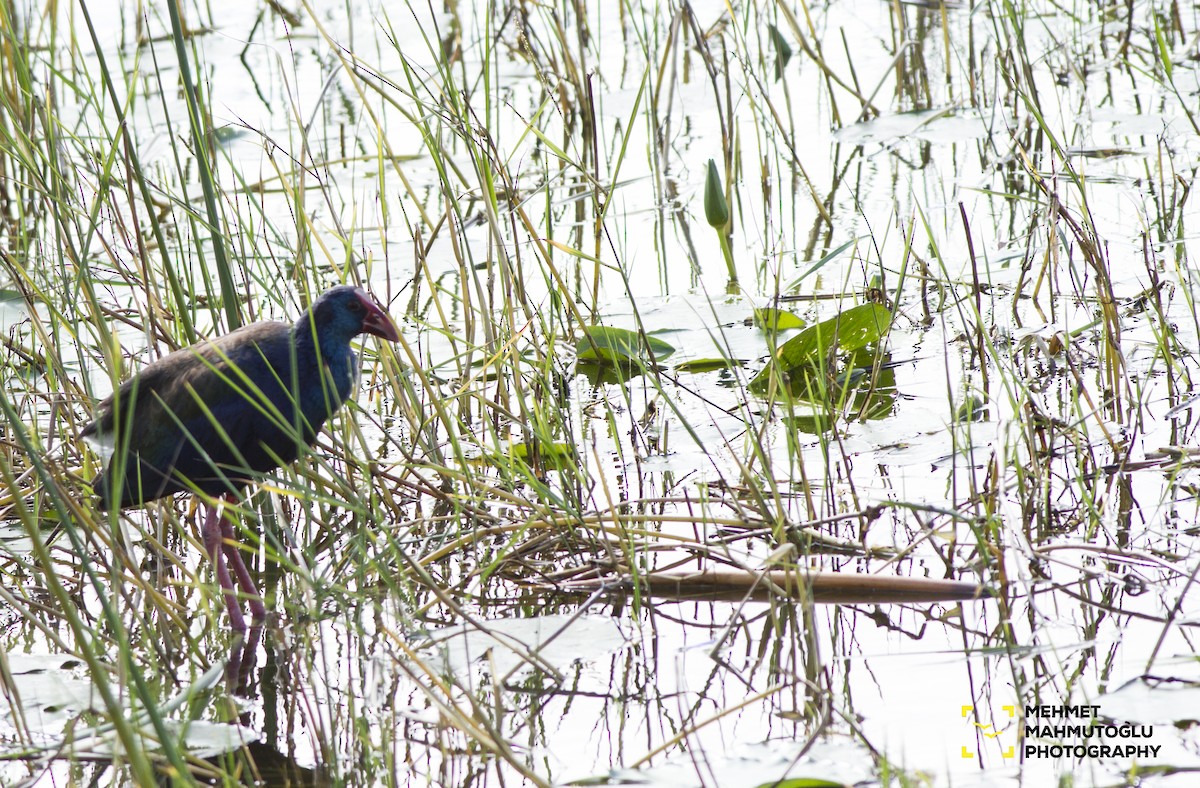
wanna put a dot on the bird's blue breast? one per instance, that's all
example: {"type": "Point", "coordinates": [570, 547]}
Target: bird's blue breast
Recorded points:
{"type": "Point", "coordinates": [338, 375]}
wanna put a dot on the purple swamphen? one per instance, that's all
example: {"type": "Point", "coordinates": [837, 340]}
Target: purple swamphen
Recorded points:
{"type": "Point", "coordinates": [214, 417]}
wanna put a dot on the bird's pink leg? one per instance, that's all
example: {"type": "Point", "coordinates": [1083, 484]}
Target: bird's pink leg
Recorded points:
{"type": "Point", "coordinates": [234, 557]}
{"type": "Point", "coordinates": [213, 543]}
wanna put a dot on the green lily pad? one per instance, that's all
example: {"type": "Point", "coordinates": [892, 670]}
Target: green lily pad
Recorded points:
{"type": "Point", "coordinates": [971, 408]}
{"type": "Point", "coordinates": [708, 364]}
{"type": "Point", "coordinates": [227, 134]}
{"type": "Point", "coordinates": [810, 423]}
{"type": "Point", "coordinates": [777, 319]}
{"type": "Point", "coordinates": [601, 344]}
{"type": "Point", "coordinates": [549, 455]}
{"type": "Point", "coordinates": [851, 330]}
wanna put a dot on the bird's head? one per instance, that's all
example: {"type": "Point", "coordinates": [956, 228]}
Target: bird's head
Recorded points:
{"type": "Point", "coordinates": [344, 312]}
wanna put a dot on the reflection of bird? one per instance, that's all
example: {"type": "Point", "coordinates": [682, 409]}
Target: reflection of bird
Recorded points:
{"type": "Point", "coordinates": [213, 417]}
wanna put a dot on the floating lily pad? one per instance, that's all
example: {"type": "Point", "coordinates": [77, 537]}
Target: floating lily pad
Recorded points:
{"type": "Point", "coordinates": [972, 408]}
{"type": "Point", "coordinates": [773, 319]}
{"type": "Point", "coordinates": [1147, 701]}
{"type": "Point", "coordinates": [708, 364]}
{"type": "Point", "coordinates": [606, 374]}
{"type": "Point", "coordinates": [14, 540]}
{"type": "Point", "coordinates": [851, 330]}
{"type": "Point", "coordinates": [12, 308]}
{"type": "Point", "coordinates": [549, 455]}
{"type": "Point", "coordinates": [51, 694]}
{"type": "Point", "coordinates": [200, 738]}
{"type": "Point", "coordinates": [775, 763]}
{"type": "Point", "coordinates": [524, 645]}
{"type": "Point", "coordinates": [810, 423]}
{"type": "Point", "coordinates": [602, 344]}
{"type": "Point", "coordinates": [227, 134]}
{"type": "Point", "coordinates": [53, 698]}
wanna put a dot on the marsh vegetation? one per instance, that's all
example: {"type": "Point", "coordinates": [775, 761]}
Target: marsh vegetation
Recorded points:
{"type": "Point", "coordinates": [929, 313]}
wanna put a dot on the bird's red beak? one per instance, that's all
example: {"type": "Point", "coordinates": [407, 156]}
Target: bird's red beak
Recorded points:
{"type": "Point", "coordinates": [377, 322]}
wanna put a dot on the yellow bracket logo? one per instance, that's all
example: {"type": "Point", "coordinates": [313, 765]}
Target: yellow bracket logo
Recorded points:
{"type": "Point", "coordinates": [988, 731]}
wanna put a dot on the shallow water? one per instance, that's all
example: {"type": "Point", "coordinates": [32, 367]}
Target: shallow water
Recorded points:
{"type": "Point", "coordinates": [1055, 498]}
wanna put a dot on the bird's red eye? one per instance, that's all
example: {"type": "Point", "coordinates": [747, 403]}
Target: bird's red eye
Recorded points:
{"type": "Point", "coordinates": [357, 308]}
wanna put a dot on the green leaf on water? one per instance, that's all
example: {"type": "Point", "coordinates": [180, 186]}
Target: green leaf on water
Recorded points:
{"type": "Point", "coordinates": [604, 345]}
{"type": "Point", "coordinates": [777, 319]}
{"type": "Point", "coordinates": [854, 328]}
{"type": "Point", "coordinates": [549, 455]}
{"type": "Point", "coordinates": [707, 364]}
{"type": "Point", "coordinates": [971, 408]}
{"type": "Point", "coordinates": [227, 134]}
{"type": "Point", "coordinates": [810, 423]}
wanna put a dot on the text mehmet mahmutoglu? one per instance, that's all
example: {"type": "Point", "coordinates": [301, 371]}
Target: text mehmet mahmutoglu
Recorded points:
{"type": "Point", "coordinates": [1080, 735]}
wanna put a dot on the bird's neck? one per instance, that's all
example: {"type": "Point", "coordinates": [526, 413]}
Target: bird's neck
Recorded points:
{"type": "Point", "coordinates": [308, 343]}
{"type": "Point", "coordinates": [330, 356]}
